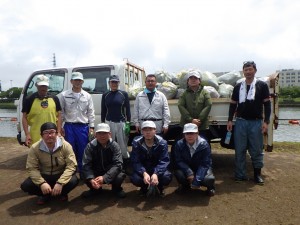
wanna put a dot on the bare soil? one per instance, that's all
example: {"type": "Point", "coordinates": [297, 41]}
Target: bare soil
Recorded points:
{"type": "Point", "coordinates": [277, 202]}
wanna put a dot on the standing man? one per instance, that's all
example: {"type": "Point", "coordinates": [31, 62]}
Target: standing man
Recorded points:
{"type": "Point", "coordinates": [193, 162]}
{"type": "Point", "coordinates": [115, 111]}
{"type": "Point", "coordinates": [102, 163]}
{"type": "Point", "coordinates": [152, 105]}
{"type": "Point", "coordinates": [39, 108]}
{"type": "Point", "coordinates": [195, 104]}
{"type": "Point", "coordinates": [51, 165]}
{"type": "Point", "coordinates": [78, 115]}
{"type": "Point", "coordinates": [150, 160]}
{"type": "Point", "coordinates": [250, 102]}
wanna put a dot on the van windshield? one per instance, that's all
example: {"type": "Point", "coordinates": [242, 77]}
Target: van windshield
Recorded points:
{"type": "Point", "coordinates": [56, 82]}
{"type": "Point", "coordinates": [95, 79]}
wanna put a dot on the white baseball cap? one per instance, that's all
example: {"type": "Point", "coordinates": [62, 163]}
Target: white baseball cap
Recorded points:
{"type": "Point", "coordinates": [194, 73]}
{"type": "Point", "coordinates": [42, 80]}
{"type": "Point", "coordinates": [77, 76]}
{"type": "Point", "coordinates": [148, 123]}
{"type": "Point", "coordinates": [102, 127]}
{"type": "Point", "coordinates": [190, 128]}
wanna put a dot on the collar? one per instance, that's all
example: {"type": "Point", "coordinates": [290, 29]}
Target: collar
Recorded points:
{"type": "Point", "coordinates": [148, 91]}
{"type": "Point", "coordinates": [45, 148]}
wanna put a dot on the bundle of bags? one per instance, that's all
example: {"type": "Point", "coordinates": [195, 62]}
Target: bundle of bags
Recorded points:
{"type": "Point", "coordinates": [174, 85]}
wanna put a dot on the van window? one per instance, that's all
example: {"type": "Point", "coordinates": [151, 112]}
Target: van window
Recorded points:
{"type": "Point", "coordinates": [56, 82]}
{"type": "Point", "coordinates": [95, 79]}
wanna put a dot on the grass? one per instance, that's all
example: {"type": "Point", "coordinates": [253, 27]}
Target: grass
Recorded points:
{"type": "Point", "coordinates": [7, 105]}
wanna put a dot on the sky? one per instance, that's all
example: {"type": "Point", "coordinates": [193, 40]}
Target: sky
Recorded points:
{"type": "Point", "coordinates": [169, 35]}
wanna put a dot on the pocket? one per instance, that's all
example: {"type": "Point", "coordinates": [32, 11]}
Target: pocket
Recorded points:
{"type": "Point", "coordinates": [83, 103]}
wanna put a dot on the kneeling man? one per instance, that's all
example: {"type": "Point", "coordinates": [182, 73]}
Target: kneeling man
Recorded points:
{"type": "Point", "coordinates": [51, 164]}
{"type": "Point", "coordinates": [102, 163]}
{"type": "Point", "coordinates": [150, 160]}
{"type": "Point", "coordinates": [193, 161]}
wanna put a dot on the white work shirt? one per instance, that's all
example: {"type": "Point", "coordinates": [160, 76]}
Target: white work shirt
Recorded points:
{"type": "Point", "coordinates": [77, 107]}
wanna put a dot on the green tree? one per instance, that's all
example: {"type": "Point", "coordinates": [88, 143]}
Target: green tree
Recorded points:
{"type": "Point", "coordinates": [11, 93]}
{"type": "Point", "coordinates": [289, 92]}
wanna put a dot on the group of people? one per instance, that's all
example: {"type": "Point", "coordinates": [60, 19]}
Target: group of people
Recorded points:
{"type": "Point", "coordinates": [65, 124]}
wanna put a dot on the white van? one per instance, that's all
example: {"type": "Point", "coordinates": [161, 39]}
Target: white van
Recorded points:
{"type": "Point", "coordinates": [95, 82]}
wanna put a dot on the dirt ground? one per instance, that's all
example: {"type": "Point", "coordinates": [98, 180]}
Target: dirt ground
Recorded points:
{"type": "Point", "coordinates": [277, 202]}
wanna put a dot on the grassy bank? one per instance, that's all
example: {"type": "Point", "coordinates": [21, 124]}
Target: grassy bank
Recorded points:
{"type": "Point", "coordinates": [7, 105]}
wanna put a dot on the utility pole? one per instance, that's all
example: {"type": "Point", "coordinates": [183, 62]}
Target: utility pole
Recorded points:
{"type": "Point", "coordinates": [10, 83]}
{"type": "Point", "coordinates": [54, 60]}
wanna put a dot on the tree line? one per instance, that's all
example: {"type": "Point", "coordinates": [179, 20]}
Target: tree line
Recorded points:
{"type": "Point", "coordinates": [289, 92]}
{"type": "Point", "coordinates": [10, 95]}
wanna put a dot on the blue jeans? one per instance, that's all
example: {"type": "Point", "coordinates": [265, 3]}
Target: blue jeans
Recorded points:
{"type": "Point", "coordinates": [247, 135]}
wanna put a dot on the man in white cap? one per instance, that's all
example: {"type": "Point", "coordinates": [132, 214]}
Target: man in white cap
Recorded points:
{"type": "Point", "coordinates": [150, 160]}
{"type": "Point", "coordinates": [193, 162]}
{"type": "Point", "coordinates": [39, 108]}
{"type": "Point", "coordinates": [195, 104]}
{"type": "Point", "coordinates": [102, 163]}
{"type": "Point", "coordinates": [78, 116]}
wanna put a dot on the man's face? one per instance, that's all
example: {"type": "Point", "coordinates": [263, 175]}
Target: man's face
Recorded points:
{"type": "Point", "coordinates": [148, 133]}
{"type": "Point", "coordinates": [49, 136]}
{"type": "Point", "coordinates": [77, 83]}
{"type": "Point", "coordinates": [103, 137]}
{"type": "Point", "coordinates": [193, 81]}
{"type": "Point", "coordinates": [190, 137]}
{"type": "Point", "coordinates": [150, 83]}
{"type": "Point", "coordinates": [249, 72]}
{"type": "Point", "coordinates": [114, 85]}
{"type": "Point", "coordinates": [42, 90]}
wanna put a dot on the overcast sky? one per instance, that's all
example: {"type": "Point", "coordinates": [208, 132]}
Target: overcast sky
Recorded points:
{"type": "Point", "coordinates": [211, 35]}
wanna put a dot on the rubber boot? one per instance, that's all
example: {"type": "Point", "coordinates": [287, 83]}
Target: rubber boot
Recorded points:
{"type": "Point", "coordinates": [257, 176]}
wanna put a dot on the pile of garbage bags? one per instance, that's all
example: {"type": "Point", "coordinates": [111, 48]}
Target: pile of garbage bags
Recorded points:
{"type": "Point", "coordinates": [173, 85]}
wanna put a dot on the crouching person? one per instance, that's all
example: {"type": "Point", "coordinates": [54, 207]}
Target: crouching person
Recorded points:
{"type": "Point", "coordinates": [150, 160]}
{"type": "Point", "coordinates": [193, 162]}
{"type": "Point", "coordinates": [51, 165]}
{"type": "Point", "coordinates": [102, 163]}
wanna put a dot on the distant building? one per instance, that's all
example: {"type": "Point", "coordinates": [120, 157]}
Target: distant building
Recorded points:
{"type": "Point", "coordinates": [289, 77]}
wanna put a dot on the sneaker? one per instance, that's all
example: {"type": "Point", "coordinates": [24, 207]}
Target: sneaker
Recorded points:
{"type": "Point", "coordinates": [63, 198]}
{"type": "Point", "coordinates": [210, 192]}
{"type": "Point", "coordinates": [91, 193]}
{"type": "Point", "coordinates": [43, 199]}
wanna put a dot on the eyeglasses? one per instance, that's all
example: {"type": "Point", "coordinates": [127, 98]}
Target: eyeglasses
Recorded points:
{"type": "Point", "coordinates": [150, 81]}
{"type": "Point", "coordinates": [47, 133]}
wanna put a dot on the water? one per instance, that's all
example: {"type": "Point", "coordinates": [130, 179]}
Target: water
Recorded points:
{"type": "Point", "coordinates": [8, 128]}
{"type": "Point", "coordinates": [285, 131]}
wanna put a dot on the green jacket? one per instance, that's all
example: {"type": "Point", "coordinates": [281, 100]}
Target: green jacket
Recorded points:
{"type": "Point", "coordinates": [41, 161]}
{"type": "Point", "coordinates": [195, 105]}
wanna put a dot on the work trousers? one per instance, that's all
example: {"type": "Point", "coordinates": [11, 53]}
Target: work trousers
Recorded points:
{"type": "Point", "coordinates": [32, 189]}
